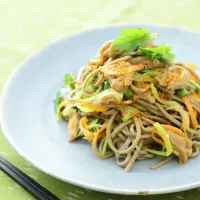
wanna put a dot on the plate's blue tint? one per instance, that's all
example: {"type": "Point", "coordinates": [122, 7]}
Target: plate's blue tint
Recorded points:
{"type": "Point", "coordinates": [29, 123]}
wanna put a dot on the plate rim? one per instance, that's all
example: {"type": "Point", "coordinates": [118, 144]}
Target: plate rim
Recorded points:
{"type": "Point", "coordinates": [39, 166]}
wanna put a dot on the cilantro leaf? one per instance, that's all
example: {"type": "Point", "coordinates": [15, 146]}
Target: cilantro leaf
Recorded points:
{"type": "Point", "coordinates": [133, 32]}
{"type": "Point", "coordinates": [68, 78]}
{"type": "Point", "coordinates": [162, 52]}
{"type": "Point", "coordinates": [57, 100]}
{"type": "Point", "coordinates": [106, 84]}
{"type": "Point", "coordinates": [125, 44]}
{"type": "Point", "coordinates": [80, 134]}
{"type": "Point", "coordinates": [148, 39]}
{"type": "Point", "coordinates": [92, 120]}
{"type": "Point", "coordinates": [127, 93]}
{"type": "Point", "coordinates": [131, 38]}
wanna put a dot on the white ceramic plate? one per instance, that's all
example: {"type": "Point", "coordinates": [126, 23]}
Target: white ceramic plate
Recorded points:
{"type": "Point", "coordinates": [28, 118]}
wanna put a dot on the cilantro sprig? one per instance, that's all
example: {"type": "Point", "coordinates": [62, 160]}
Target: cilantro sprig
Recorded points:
{"type": "Point", "coordinates": [57, 99]}
{"type": "Point", "coordinates": [132, 38]}
{"type": "Point", "coordinates": [68, 78]}
{"type": "Point", "coordinates": [106, 84]}
{"type": "Point", "coordinates": [162, 52]}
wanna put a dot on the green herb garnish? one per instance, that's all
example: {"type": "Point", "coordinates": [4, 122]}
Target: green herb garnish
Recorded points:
{"type": "Point", "coordinates": [162, 52]}
{"type": "Point", "coordinates": [106, 84]}
{"type": "Point", "coordinates": [68, 78]}
{"type": "Point", "coordinates": [182, 92]}
{"type": "Point", "coordinates": [80, 134]}
{"type": "Point", "coordinates": [132, 38]}
{"type": "Point", "coordinates": [92, 120]}
{"type": "Point", "coordinates": [57, 100]}
{"type": "Point", "coordinates": [127, 93]}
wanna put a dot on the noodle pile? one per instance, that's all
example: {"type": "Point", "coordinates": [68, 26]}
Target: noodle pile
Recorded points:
{"type": "Point", "coordinates": [134, 101]}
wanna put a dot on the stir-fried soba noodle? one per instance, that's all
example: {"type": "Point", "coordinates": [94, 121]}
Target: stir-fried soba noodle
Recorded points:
{"type": "Point", "coordinates": [134, 101]}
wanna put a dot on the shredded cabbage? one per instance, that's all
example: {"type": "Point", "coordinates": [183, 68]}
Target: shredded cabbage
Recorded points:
{"type": "Point", "coordinates": [173, 106]}
{"type": "Point", "coordinates": [111, 93]}
{"type": "Point", "coordinates": [68, 111]}
{"type": "Point", "coordinates": [169, 103]}
{"type": "Point", "coordinates": [128, 112]}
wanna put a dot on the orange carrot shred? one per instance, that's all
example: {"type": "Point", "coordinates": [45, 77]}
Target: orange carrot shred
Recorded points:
{"type": "Point", "coordinates": [174, 129]}
{"type": "Point", "coordinates": [98, 132]}
{"type": "Point", "coordinates": [194, 122]}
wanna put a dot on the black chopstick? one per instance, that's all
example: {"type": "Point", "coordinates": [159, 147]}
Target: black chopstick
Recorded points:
{"type": "Point", "coordinates": [26, 182]}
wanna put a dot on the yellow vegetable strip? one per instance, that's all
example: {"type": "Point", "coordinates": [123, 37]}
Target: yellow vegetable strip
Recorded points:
{"type": "Point", "coordinates": [87, 134]}
{"type": "Point", "coordinates": [159, 141]}
{"type": "Point", "coordinates": [98, 132]}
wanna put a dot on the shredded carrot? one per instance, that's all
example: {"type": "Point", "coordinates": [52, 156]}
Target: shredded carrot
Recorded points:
{"type": "Point", "coordinates": [146, 85]}
{"type": "Point", "coordinates": [102, 128]}
{"type": "Point", "coordinates": [159, 141]}
{"type": "Point", "coordinates": [195, 113]}
{"type": "Point", "coordinates": [102, 134]}
{"type": "Point", "coordinates": [98, 109]}
{"type": "Point", "coordinates": [94, 141]}
{"type": "Point", "coordinates": [82, 124]}
{"type": "Point", "coordinates": [96, 135]}
{"type": "Point", "coordinates": [193, 77]}
{"type": "Point", "coordinates": [174, 129]}
{"type": "Point", "coordinates": [194, 96]}
{"type": "Point", "coordinates": [194, 122]}
{"type": "Point", "coordinates": [87, 134]}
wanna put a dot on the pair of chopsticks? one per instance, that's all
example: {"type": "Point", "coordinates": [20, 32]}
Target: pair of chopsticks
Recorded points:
{"type": "Point", "coordinates": [26, 182]}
